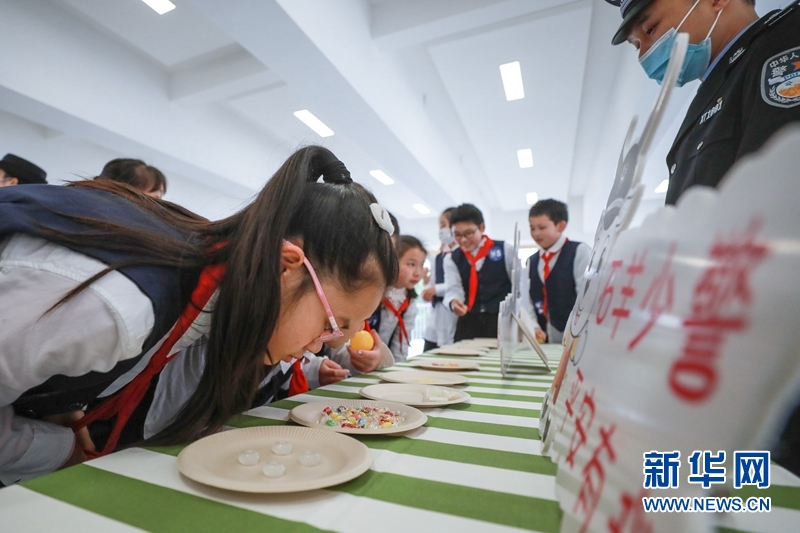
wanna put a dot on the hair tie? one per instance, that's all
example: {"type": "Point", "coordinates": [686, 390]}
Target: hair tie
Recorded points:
{"type": "Point", "coordinates": [381, 216]}
{"type": "Point", "coordinates": [336, 172]}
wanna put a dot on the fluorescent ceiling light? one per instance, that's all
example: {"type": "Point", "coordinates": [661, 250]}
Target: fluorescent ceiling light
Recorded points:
{"type": "Point", "coordinates": [512, 81]}
{"type": "Point", "coordinates": [422, 209]}
{"type": "Point", "coordinates": [381, 176]}
{"type": "Point", "coordinates": [532, 198]}
{"type": "Point", "coordinates": [307, 118]}
{"type": "Point", "coordinates": [662, 187]}
{"type": "Point", "coordinates": [160, 6]}
{"type": "Point", "coordinates": [525, 158]}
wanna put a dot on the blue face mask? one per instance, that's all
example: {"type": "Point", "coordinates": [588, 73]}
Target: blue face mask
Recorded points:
{"type": "Point", "coordinates": [698, 56]}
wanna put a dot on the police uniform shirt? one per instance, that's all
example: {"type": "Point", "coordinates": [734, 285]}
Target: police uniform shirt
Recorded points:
{"type": "Point", "coordinates": [751, 92]}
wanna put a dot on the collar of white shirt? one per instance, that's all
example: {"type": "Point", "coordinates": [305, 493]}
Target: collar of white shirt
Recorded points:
{"type": "Point", "coordinates": [558, 245]}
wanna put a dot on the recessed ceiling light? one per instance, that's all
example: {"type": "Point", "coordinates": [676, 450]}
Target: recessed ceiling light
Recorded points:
{"type": "Point", "coordinates": [160, 6]}
{"type": "Point", "coordinates": [532, 198]}
{"type": "Point", "coordinates": [422, 209]}
{"type": "Point", "coordinates": [381, 176]}
{"type": "Point", "coordinates": [662, 187]}
{"type": "Point", "coordinates": [512, 81]}
{"type": "Point", "coordinates": [313, 122]}
{"type": "Point", "coordinates": [525, 158]}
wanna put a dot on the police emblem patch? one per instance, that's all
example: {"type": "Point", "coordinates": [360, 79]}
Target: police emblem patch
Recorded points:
{"type": "Point", "coordinates": [496, 253]}
{"type": "Point", "coordinates": [780, 79]}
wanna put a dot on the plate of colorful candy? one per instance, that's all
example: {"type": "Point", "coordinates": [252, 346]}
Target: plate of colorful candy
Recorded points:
{"type": "Point", "coordinates": [358, 417]}
{"type": "Point", "coordinates": [414, 394]}
{"type": "Point", "coordinates": [274, 459]}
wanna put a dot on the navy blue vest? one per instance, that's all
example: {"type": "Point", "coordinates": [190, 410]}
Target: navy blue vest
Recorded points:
{"type": "Point", "coordinates": [438, 276]}
{"type": "Point", "coordinates": [38, 210]}
{"type": "Point", "coordinates": [493, 281]}
{"type": "Point", "coordinates": [560, 283]}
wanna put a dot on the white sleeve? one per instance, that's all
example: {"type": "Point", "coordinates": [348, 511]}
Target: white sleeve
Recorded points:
{"type": "Point", "coordinates": [311, 364]}
{"type": "Point", "coordinates": [453, 289]}
{"type": "Point", "coordinates": [105, 324]}
{"type": "Point", "coordinates": [30, 448]}
{"type": "Point", "coordinates": [582, 256]}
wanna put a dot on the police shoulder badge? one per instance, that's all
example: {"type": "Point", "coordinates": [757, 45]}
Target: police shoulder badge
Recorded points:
{"type": "Point", "coordinates": [780, 79]}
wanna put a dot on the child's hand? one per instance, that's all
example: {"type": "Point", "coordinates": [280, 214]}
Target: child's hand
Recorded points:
{"type": "Point", "coordinates": [331, 372]}
{"type": "Point", "coordinates": [459, 307]}
{"type": "Point", "coordinates": [82, 438]}
{"type": "Point", "coordinates": [367, 360]}
{"type": "Point", "coordinates": [426, 276]}
{"type": "Point", "coordinates": [428, 294]}
{"type": "Point", "coordinates": [541, 336]}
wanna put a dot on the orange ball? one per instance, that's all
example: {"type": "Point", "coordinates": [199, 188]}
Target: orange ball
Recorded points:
{"type": "Point", "coordinates": [362, 341]}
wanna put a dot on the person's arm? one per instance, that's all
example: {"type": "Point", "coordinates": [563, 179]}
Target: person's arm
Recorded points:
{"type": "Point", "coordinates": [454, 290]}
{"type": "Point", "coordinates": [311, 365]}
{"type": "Point", "coordinates": [582, 256]}
{"type": "Point", "coordinates": [103, 325]}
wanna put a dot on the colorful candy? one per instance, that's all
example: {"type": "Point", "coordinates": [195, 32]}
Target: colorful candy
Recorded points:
{"type": "Point", "coordinates": [364, 417]}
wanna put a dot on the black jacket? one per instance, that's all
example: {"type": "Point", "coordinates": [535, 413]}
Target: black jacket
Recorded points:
{"type": "Point", "coordinates": [751, 93]}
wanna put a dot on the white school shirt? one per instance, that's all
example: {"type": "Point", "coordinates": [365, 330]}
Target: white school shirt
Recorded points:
{"type": "Point", "coordinates": [440, 327]}
{"type": "Point", "coordinates": [103, 325]}
{"type": "Point", "coordinates": [389, 322]}
{"type": "Point", "coordinates": [454, 290]}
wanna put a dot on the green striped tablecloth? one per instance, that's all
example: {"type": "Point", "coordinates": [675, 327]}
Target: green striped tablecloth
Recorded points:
{"type": "Point", "coordinates": [473, 467]}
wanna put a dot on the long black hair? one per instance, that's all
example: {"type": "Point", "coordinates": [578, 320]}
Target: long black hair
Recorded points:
{"type": "Point", "coordinates": [331, 220]}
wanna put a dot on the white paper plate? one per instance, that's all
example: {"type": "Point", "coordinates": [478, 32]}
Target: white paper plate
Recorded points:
{"type": "Point", "coordinates": [459, 350]}
{"type": "Point", "coordinates": [413, 394]}
{"type": "Point", "coordinates": [483, 342]}
{"type": "Point", "coordinates": [214, 460]}
{"type": "Point", "coordinates": [309, 415]}
{"type": "Point", "coordinates": [443, 364]}
{"type": "Point", "coordinates": [423, 377]}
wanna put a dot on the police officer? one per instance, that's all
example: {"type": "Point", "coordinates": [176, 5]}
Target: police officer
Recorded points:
{"type": "Point", "coordinates": [750, 72]}
{"type": "Point", "coordinates": [750, 69]}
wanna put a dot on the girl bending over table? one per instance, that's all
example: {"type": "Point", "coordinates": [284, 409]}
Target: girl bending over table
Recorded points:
{"type": "Point", "coordinates": [127, 318]}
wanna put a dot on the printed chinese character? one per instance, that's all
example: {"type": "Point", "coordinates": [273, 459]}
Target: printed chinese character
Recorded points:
{"type": "Point", "coordinates": [661, 469]}
{"type": "Point", "coordinates": [573, 397]}
{"type": "Point", "coordinates": [751, 468]}
{"type": "Point", "coordinates": [773, 64]}
{"type": "Point", "coordinates": [594, 477]}
{"type": "Point", "coordinates": [633, 270]}
{"type": "Point", "coordinates": [604, 302]}
{"type": "Point", "coordinates": [783, 59]}
{"type": "Point", "coordinates": [712, 466]}
{"type": "Point", "coordinates": [720, 305]}
{"type": "Point", "coordinates": [659, 296]}
{"type": "Point", "coordinates": [582, 427]}
{"type": "Point", "coordinates": [632, 517]}
{"type": "Point", "coordinates": [779, 71]}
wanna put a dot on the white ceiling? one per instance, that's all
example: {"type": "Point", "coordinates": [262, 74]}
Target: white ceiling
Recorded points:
{"type": "Point", "coordinates": [412, 87]}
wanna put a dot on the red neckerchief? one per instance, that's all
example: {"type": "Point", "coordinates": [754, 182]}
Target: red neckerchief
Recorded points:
{"type": "Point", "coordinates": [473, 271]}
{"type": "Point", "coordinates": [298, 384]}
{"type": "Point", "coordinates": [546, 257]}
{"type": "Point", "coordinates": [399, 314]}
{"type": "Point", "coordinates": [124, 403]}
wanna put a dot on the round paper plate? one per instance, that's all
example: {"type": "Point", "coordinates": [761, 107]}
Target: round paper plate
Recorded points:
{"type": "Point", "coordinates": [476, 351]}
{"type": "Point", "coordinates": [483, 342]}
{"type": "Point", "coordinates": [214, 460]}
{"type": "Point", "coordinates": [442, 364]}
{"type": "Point", "coordinates": [309, 414]}
{"type": "Point", "coordinates": [423, 377]}
{"type": "Point", "coordinates": [415, 394]}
